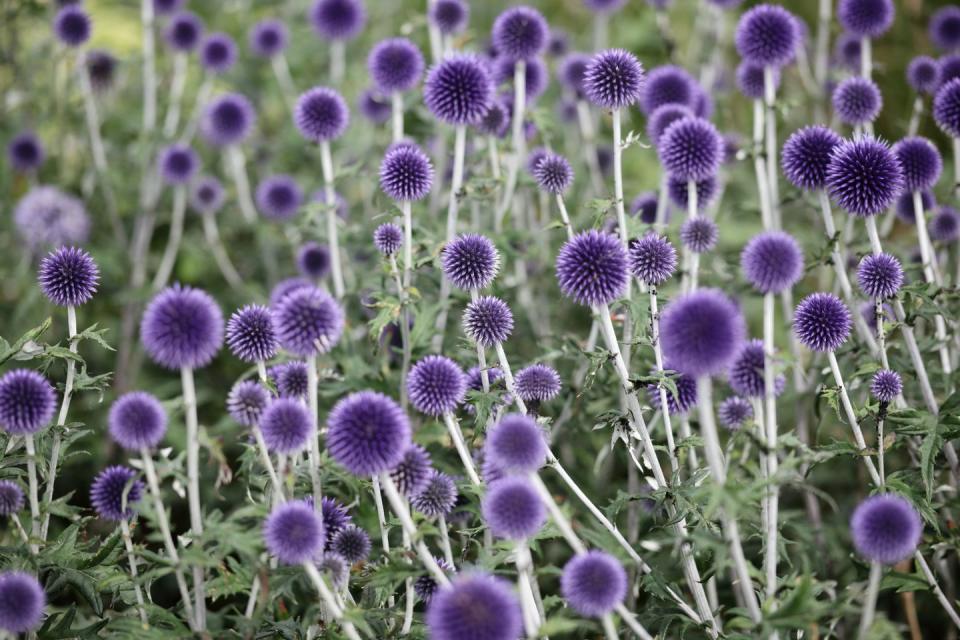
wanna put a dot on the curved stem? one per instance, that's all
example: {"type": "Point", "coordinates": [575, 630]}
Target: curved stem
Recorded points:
{"type": "Point", "coordinates": [282, 72]}
{"type": "Point", "coordinates": [508, 378]}
{"type": "Point", "coordinates": [330, 601]}
{"type": "Point", "coordinates": [400, 509]}
{"type": "Point", "coordinates": [238, 173]}
{"type": "Point", "coordinates": [852, 417]}
{"type": "Point", "coordinates": [177, 86]}
{"type": "Point", "coordinates": [453, 428]}
{"type": "Point", "coordinates": [132, 559]}
{"type": "Point", "coordinates": [445, 539]}
{"type": "Point", "coordinates": [221, 257]}
{"type": "Point", "coordinates": [938, 592]}
{"type": "Point", "coordinates": [453, 204]}
{"type": "Point", "coordinates": [162, 276]}
{"type": "Point", "coordinates": [200, 102]}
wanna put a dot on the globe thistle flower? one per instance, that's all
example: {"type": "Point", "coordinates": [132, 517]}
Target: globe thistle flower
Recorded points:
{"type": "Point", "coordinates": [11, 498]}
{"type": "Point", "coordinates": [285, 287]}
{"type": "Point", "coordinates": [388, 238]}
{"type": "Point", "coordinates": [593, 583]}
{"type": "Point", "coordinates": [412, 473]}
{"type": "Point", "coordinates": [488, 321]}
{"type": "Point", "coordinates": [352, 544]}
{"type": "Point", "coordinates": [278, 197]}
{"type": "Point", "coordinates": [68, 277]}
{"type": "Point", "coordinates": [137, 421]}
{"type": "Point", "coordinates": [228, 119]}
{"type": "Point", "coordinates": [822, 322]}
{"type": "Point", "coordinates": [645, 206]}
{"type": "Point", "coordinates": [536, 76]}
{"type": "Point", "coordinates": [923, 75]}
{"type": "Point", "coordinates": [177, 164]}
{"type": "Point", "coordinates": [184, 31]}
{"type": "Point", "coordinates": [699, 235]}
{"type": "Point", "coordinates": [496, 121]}
{"type": "Point", "coordinates": [750, 79]}
{"type": "Point", "coordinates": [287, 426]}
{"type": "Point", "coordinates": [207, 195]}
{"type": "Point", "coordinates": [313, 260]}
{"type": "Point", "coordinates": [459, 90]}
{"type": "Point", "coordinates": [101, 68]}
{"type": "Point", "coordinates": [921, 162]}
{"type": "Point", "coordinates": [373, 106]}
{"type": "Point", "coordinates": [857, 100]}
{"type": "Point", "coordinates": [949, 67]}
{"type": "Point", "coordinates": [690, 149]}
{"type": "Point", "coordinates": [46, 216]}
{"type": "Point", "coordinates": [470, 262]}
{"type": "Point", "coordinates": [338, 19]}
{"type": "Point", "coordinates": [558, 44]}
{"type": "Point", "coordinates": [218, 53]}
{"type": "Point", "coordinates": [772, 262]}
{"type": "Point", "coordinates": [367, 433]}
{"type": "Point", "coordinates": [886, 385]}
{"type": "Point", "coordinates": [406, 173]}
{"type": "Point", "coordinates": [592, 268]}
{"type": "Point", "coordinates": [652, 259]}
{"type": "Point", "coordinates": [572, 70]}
{"type": "Point", "coordinates": [475, 605]}
{"type": "Point", "coordinates": [72, 26]}
{"type": "Point", "coordinates": [537, 383]}
{"type": "Point", "coordinates": [292, 379]}
{"type": "Point", "coordinates": [450, 17]}
{"type": "Point", "coordinates": [22, 601]}
{"type": "Point", "coordinates": [182, 327]}
{"type": "Point", "coordinates": [512, 508]}
{"type": "Point", "coordinates": [425, 586]}
{"type": "Point", "coordinates": [946, 108]}
{"type": "Point", "coordinates": [745, 374]}
{"type": "Point", "coordinates": [734, 412]}
{"type": "Point", "coordinates": [436, 385]}
{"type": "Point", "coordinates": [250, 334]}
{"type": "Point", "coordinates": [166, 7]}
{"type": "Point", "coordinates": [520, 33]}
{"type": "Point", "coordinates": [604, 6]}
{"type": "Point", "coordinates": [667, 84]}
{"type": "Point", "coordinates": [886, 528]}
{"type": "Point", "coordinates": [865, 18]}
{"type": "Point", "coordinates": [335, 517]}
{"type": "Point", "coordinates": [535, 157]}
{"type": "Point", "coordinates": [553, 174]}
{"type": "Point", "coordinates": [27, 402]}
{"type": "Point", "coordinates": [25, 152]}
{"type": "Point", "coordinates": [474, 380]}
{"type": "Point", "coordinates": [880, 276]}
{"type": "Point", "coordinates": [107, 493]}
{"type": "Point", "coordinates": [944, 227]}
{"type": "Point", "coordinates": [864, 176]}
{"type": "Point", "coordinates": [904, 206]}
{"type": "Point", "coordinates": [806, 156]}
{"type": "Point", "coordinates": [700, 332]}
{"type": "Point", "coordinates": [613, 79]}
{"type": "Point", "coordinates": [767, 35]}
{"type": "Point", "coordinates": [438, 497]}
{"type": "Point", "coordinates": [847, 52]}
{"type": "Point", "coordinates": [293, 532]}
{"type": "Point", "coordinates": [246, 402]}
{"type": "Point", "coordinates": [516, 445]}
{"type": "Point", "coordinates": [268, 38]}
{"type": "Point", "coordinates": [308, 321]}
{"type": "Point", "coordinates": [395, 64]}
{"type": "Point", "coordinates": [321, 114]}
{"type": "Point", "coordinates": [682, 402]}
{"type": "Point", "coordinates": [944, 28]}
{"type": "Point", "coordinates": [678, 190]}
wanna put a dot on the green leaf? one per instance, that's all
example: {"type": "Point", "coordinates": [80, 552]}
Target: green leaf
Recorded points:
{"type": "Point", "coordinates": [929, 448]}
{"type": "Point", "coordinates": [29, 336]}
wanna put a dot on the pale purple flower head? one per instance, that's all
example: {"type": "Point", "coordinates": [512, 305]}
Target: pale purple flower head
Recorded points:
{"type": "Point", "coordinates": [182, 327]}
{"type": "Point", "coordinates": [668, 84]}
{"type": "Point", "coordinates": [904, 207]}
{"type": "Point", "coordinates": [72, 25]}
{"type": "Point", "coordinates": [691, 148]}
{"type": "Point", "coordinates": [278, 197]}
{"type": "Point", "coordinates": [496, 121]}
{"type": "Point", "coordinates": [750, 80]}
{"type": "Point", "coordinates": [338, 19]}
{"type": "Point", "coordinates": [865, 18]}
{"type": "Point", "coordinates": [944, 226]}
{"type": "Point", "coordinates": [645, 206]}
{"type": "Point", "coordinates": [373, 106]}
{"type": "Point", "coordinates": [449, 16]}
{"type": "Point", "coordinates": [593, 583]}
{"type": "Point", "coordinates": [287, 426]}
{"type": "Point", "coordinates": [679, 403]}
{"type": "Point", "coordinates": [701, 332]}
{"type": "Point", "coordinates": [268, 38]}
{"type": "Point", "coordinates": [137, 421]}
{"type": "Point", "coordinates": [535, 74]}
{"type": "Point", "coordinates": [886, 528]}
{"type": "Point", "coordinates": [107, 493]}
{"type": "Point", "coordinates": [864, 176]}
{"type": "Point", "coordinates": [293, 532]}
{"type": "Point", "coordinates": [477, 606]}
{"type": "Point", "coordinates": [537, 383]}
{"type": "Point", "coordinates": [923, 74]}
{"type": "Point", "coordinates": [25, 152]}
{"type": "Point", "coordinates": [184, 31]}
{"type": "Point", "coordinates": [734, 412]}
{"type": "Point", "coordinates": [436, 385]}
{"type": "Point", "coordinates": [944, 28]}
{"type": "Point", "coordinates": [520, 33]}
{"type": "Point", "coordinates": [413, 472]}
{"type": "Point", "coordinates": [367, 433]}
{"type": "Point", "coordinates": [313, 260]}
{"type": "Point", "coordinates": [166, 7]}
{"type": "Point", "coordinates": [678, 190]}
{"type": "Point", "coordinates": [512, 508]}
{"type": "Point", "coordinates": [571, 71]}
{"type": "Point", "coordinates": [886, 385]}
{"type": "Point", "coordinates": [592, 268]}
{"type": "Point", "coordinates": [22, 601]}
{"type": "Point", "coordinates": [470, 262]}
{"type": "Point", "coordinates": [822, 322]}
{"type": "Point", "coordinates": [251, 336]}
{"type": "Point", "coordinates": [699, 234]}
{"type": "Point", "coordinates": [321, 114]}
{"type": "Point", "coordinates": [438, 496]}
{"type": "Point", "coordinates": [516, 445]}
{"type": "Point", "coordinates": [218, 53]}
{"type": "Point", "coordinates": [488, 321]}
{"type": "Point", "coordinates": [767, 35]}
{"type": "Point", "coordinates": [857, 100]}
{"type": "Point", "coordinates": [46, 216]}
{"type": "Point", "coordinates": [68, 277]}
{"type": "Point", "coordinates": [662, 118]}
{"type": "Point", "coordinates": [207, 195]}
{"type": "Point", "coordinates": [554, 174]}
{"type": "Point", "coordinates": [613, 79]}
{"type": "Point", "coordinates": [459, 90]}
{"type": "Point", "coordinates": [806, 156]}
{"type": "Point", "coordinates": [946, 108]}
{"type": "Point", "coordinates": [426, 586]}
{"type": "Point", "coordinates": [406, 173]}
{"type": "Point", "coordinates": [921, 162]}
{"type": "Point", "coordinates": [772, 262]}
{"type": "Point", "coordinates": [27, 402]}
{"type": "Point", "coordinates": [652, 259]}
{"type": "Point", "coordinates": [308, 321]}
{"type": "Point", "coordinates": [352, 543]}
{"type": "Point", "coordinates": [847, 51]}
{"type": "Point", "coordinates": [178, 163]}
{"type": "Point", "coordinates": [880, 276]}
{"type": "Point", "coordinates": [228, 119]}
{"type": "Point", "coordinates": [745, 374]}
{"type": "Point", "coordinates": [388, 238]}
{"type": "Point", "coordinates": [604, 6]}
{"type": "Point", "coordinates": [395, 64]}
{"type": "Point", "coordinates": [246, 402]}
{"type": "Point", "coordinates": [11, 497]}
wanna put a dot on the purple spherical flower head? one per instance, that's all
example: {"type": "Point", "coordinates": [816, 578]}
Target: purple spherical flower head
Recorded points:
{"type": "Point", "coordinates": [886, 528]}
{"type": "Point", "coordinates": [313, 260]}
{"type": "Point", "coordinates": [426, 586]}
{"type": "Point", "coordinates": [22, 601]}
{"type": "Point", "coordinates": [921, 162]}
{"type": "Point", "coordinates": [847, 51]}
{"type": "Point", "coordinates": [367, 433]}
{"type": "Point", "coordinates": [699, 234]}
{"type": "Point", "coordinates": [592, 268]}
{"type": "Point", "coordinates": [652, 259]}
{"type": "Point", "coordinates": [11, 497]}
{"type": "Point", "coordinates": [27, 402]}
{"type": "Point", "coordinates": [475, 606]}
{"type": "Point", "coordinates": [553, 174]}
{"type": "Point", "coordinates": [25, 152]}
{"type": "Point", "coordinates": [412, 473]}
{"type": "Point", "coordinates": [459, 90]}
{"type": "Point", "coordinates": [822, 322]}
{"type": "Point", "coordinates": [772, 262]}
{"type": "Point", "coordinates": [406, 173]}
{"type": "Point", "coordinates": [944, 227]}
{"type": "Point", "coordinates": [137, 421]}
{"type": "Point", "coordinates": [946, 108]}
{"type": "Point", "coordinates": [865, 18]}
{"type": "Point", "coordinates": [279, 197]}
{"type": "Point", "coordinates": [645, 206]}
{"type": "Point", "coordinates": [308, 321]}
{"type": "Point", "coordinates": [285, 287]}
{"type": "Point", "coordinates": [321, 114]}
{"type": "Point", "coordinates": [184, 31]}
{"type": "Point", "coordinates": [388, 238]}
{"type": "Point", "coordinates": [46, 216]}
{"type": "Point", "coordinates": [668, 84]}
{"type": "Point", "coordinates": [352, 543]}
{"type": "Point", "coordinates": [767, 35]}
{"type": "Point", "coordinates": [228, 119]}
{"type": "Point", "coordinates": [593, 583]}
{"type": "Point", "coordinates": [536, 76]}
{"type": "Point", "coordinates": [734, 412]}
{"type": "Point", "coordinates": [512, 508]}
{"type": "Point", "coordinates": [246, 402]}
{"type": "Point", "coordinates": [436, 385]}
{"type": "Point", "coordinates": [520, 33]}
{"type": "Point", "coordinates": [438, 496]}
{"type": "Point", "coordinates": [268, 37]}
{"type": "Point", "coordinates": [335, 567]}
{"type": "Point", "coordinates": [395, 64]}
{"type": "Point", "coordinates": [864, 176]}
{"type": "Point", "coordinates": [470, 262]}
{"type": "Point", "coordinates": [571, 71]}
{"type": "Point", "coordinates": [287, 426]}
{"type": "Point", "coordinates": [949, 67]}
{"type": "Point", "coordinates": [373, 106]}
{"type": "Point", "coordinates": [537, 383]}
{"type": "Point", "coordinates": [678, 190]}
{"type": "Point", "coordinates": [101, 68]}
{"type": "Point", "coordinates": [516, 445]}
{"type": "Point", "coordinates": [886, 385]}
{"type": "Point", "coordinates": [72, 26]}
{"type": "Point", "coordinates": [745, 374]}
{"type": "Point", "coordinates": [488, 321]}
{"type": "Point", "coordinates": [251, 336]}
{"type": "Point", "coordinates": [682, 402]}
{"type": "Point", "coordinates": [107, 493]}
{"type": "Point", "coordinates": [535, 157]}
{"type": "Point", "coordinates": [68, 277]}
{"type": "Point", "coordinates": [218, 53]}
{"type": "Point", "coordinates": [690, 149]}
{"type": "Point", "coordinates": [945, 28]}
{"type": "Point", "coordinates": [806, 156]}
{"type": "Point", "coordinates": [294, 532]}
{"type": "Point", "coordinates": [166, 7]}
{"type": "Point", "coordinates": [335, 516]}
{"type": "Point", "coordinates": [559, 43]}
{"type": "Point", "coordinates": [207, 195]}
{"type": "Point", "coordinates": [662, 118]}
{"type": "Point", "coordinates": [178, 163]}
{"type": "Point", "coordinates": [904, 207]}
{"type": "Point", "coordinates": [750, 79]}
{"type": "Point", "coordinates": [701, 332]}
{"type": "Point", "coordinates": [292, 379]}
{"type": "Point", "coordinates": [474, 380]}
{"type": "Point", "coordinates": [613, 79]}
{"type": "Point", "coordinates": [857, 100]}
{"type": "Point", "coordinates": [880, 276]}
{"type": "Point", "coordinates": [338, 19]}
{"type": "Point", "coordinates": [182, 327]}
{"type": "Point", "coordinates": [449, 16]}
{"type": "Point", "coordinates": [923, 74]}
{"type": "Point", "coordinates": [496, 121]}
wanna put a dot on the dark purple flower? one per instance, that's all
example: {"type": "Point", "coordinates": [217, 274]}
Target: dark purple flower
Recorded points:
{"type": "Point", "coordinates": [690, 149]}
{"type": "Point", "coordinates": [352, 543]}
{"type": "Point", "coordinates": [182, 327]}
{"type": "Point", "coordinates": [313, 260]}
{"type": "Point", "coordinates": [553, 174]}
{"type": "Point", "coordinates": [279, 197]}
{"type": "Point", "coordinates": [137, 421]}
{"type": "Point", "coordinates": [178, 163]}
{"type": "Point", "coordinates": [682, 402]}
{"type": "Point", "coordinates": [668, 84]}
{"type": "Point", "coordinates": [68, 277]}
{"type": "Point", "coordinates": [536, 76]}
{"type": "Point", "coordinates": [459, 90]}
{"type": "Point", "coordinates": [734, 412]}
{"type": "Point", "coordinates": [438, 497]}
{"type": "Point", "coordinates": [470, 262]}
{"type": "Point", "coordinates": [218, 53]}
{"type": "Point", "coordinates": [228, 119]}
{"type": "Point", "coordinates": [250, 334]}
{"type": "Point", "coordinates": [373, 106]}
{"type": "Point", "coordinates": [822, 322]}
{"type": "Point", "coordinates": [308, 321]}
{"type": "Point", "coordinates": [678, 190]}
{"type": "Point", "coordinates": [745, 374]}
{"type": "Point", "coordinates": [335, 567]}
{"type": "Point", "coordinates": [949, 67]}
{"type": "Point", "coordinates": [904, 207]}
{"type": "Point", "coordinates": [388, 238]}
{"type": "Point", "coordinates": [921, 162]}
{"type": "Point", "coordinates": [25, 152]}
{"type": "Point", "coordinates": [107, 493]}
{"type": "Point", "coordinates": [476, 606]}
{"type": "Point", "coordinates": [268, 37]}
{"type": "Point", "coordinates": [880, 276]}
{"type": "Point", "coordinates": [27, 402]}
{"type": "Point", "coordinates": [537, 383]}
{"type": "Point", "coordinates": [520, 33]}
{"type": "Point", "coordinates": [425, 586]}
{"type": "Point", "coordinates": [944, 227]}
{"type": "Point", "coordinates": [593, 583]}
{"type": "Point", "coordinates": [864, 176]}
{"type": "Point", "coordinates": [488, 321]}
{"type": "Point", "coordinates": [72, 26]}
{"type": "Point", "coordinates": [767, 35]}
{"type": "Point", "coordinates": [857, 100]}
{"type": "Point", "coordinates": [287, 426]}
{"type": "Point", "coordinates": [652, 259]}
{"type": "Point", "coordinates": [512, 508]}
{"type": "Point", "coordinates": [207, 195]}
{"type": "Point", "coordinates": [806, 156]}
{"type": "Point", "coordinates": [395, 64]}
{"type": "Point", "coordinates": [413, 472]}
{"type": "Point", "coordinates": [699, 235]}
{"type": "Point", "coordinates": [945, 28]}
{"type": "Point", "coordinates": [293, 532]}
{"type": "Point", "coordinates": [292, 379]}
{"type": "Point", "coordinates": [335, 516]}
{"type": "Point", "coordinates": [772, 262]}
{"type": "Point", "coordinates": [847, 51]}
{"type": "Point", "coordinates": [923, 74]}
{"type": "Point", "coordinates": [865, 18]}
{"type": "Point", "coordinates": [46, 216]}
{"type": "Point", "coordinates": [613, 79]}
{"type": "Point", "coordinates": [246, 402]}
{"type": "Point", "coordinates": [449, 16]}
{"type": "Point", "coordinates": [22, 601]}
{"type": "Point", "coordinates": [436, 385]}
{"type": "Point", "coordinates": [750, 79]}
{"type": "Point", "coordinates": [886, 385]}
{"type": "Point", "coordinates": [559, 43]}
{"type": "Point", "coordinates": [592, 268]}
{"type": "Point", "coordinates": [496, 121]}
{"type": "Point", "coordinates": [886, 528]}
{"type": "Point", "coordinates": [338, 19]}
{"type": "Point", "coordinates": [367, 433]}
{"type": "Point", "coordinates": [516, 445]}
{"type": "Point", "coordinates": [184, 31]}
{"type": "Point", "coordinates": [645, 206]}
{"type": "Point", "coordinates": [571, 71]}
{"type": "Point", "coordinates": [321, 114]}
{"type": "Point", "coordinates": [406, 173]}
{"type": "Point", "coordinates": [701, 332]}
{"type": "Point", "coordinates": [166, 7]}
{"type": "Point", "coordinates": [662, 118]}
{"type": "Point", "coordinates": [946, 108]}
{"type": "Point", "coordinates": [101, 69]}
{"type": "Point", "coordinates": [11, 498]}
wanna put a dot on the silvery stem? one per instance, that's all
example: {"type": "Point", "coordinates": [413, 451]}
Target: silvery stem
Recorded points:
{"type": "Point", "coordinates": [565, 216]}
{"type": "Point", "coordinates": [915, 116]}
{"type": "Point", "coordinates": [326, 162]}
{"type": "Point", "coordinates": [494, 157]}
{"type": "Point", "coordinates": [32, 484]}
{"type": "Point", "coordinates": [631, 621]}
{"type": "Point", "coordinates": [404, 323]}
{"type": "Point", "coordinates": [238, 172]}
{"type": "Point", "coordinates": [396, 112]}
{"type": "Point", "coordinates": [935, 586]}
{"type": "Point", "coordinates": [177, 85]}
{"type": "Point", "coordinates": [693, 256]}
{"type": "Point", "coordinates": [588, 137]}
{"type": "Point", "coordinates": [132, 559]}
{"type": "Point", "coordinates": [770, 402]}
{"type": "Point", "coordinates": [760, 166]}
{"type": "Point", "coordinates": [313, 453]}
{"type": "Point", "coordinates": [337, 61]}
{"type": "Point", "coordinates": [193, 487]}
{"type": "Point", "coordinates": [852, 417]}
{"type": "Point", "coordinates": [203, 96]}
{"type": "Point", "coordinates": [916, 359]}
{"type": "Point", "coordinates": [174, 238]}
{"type": "Point", "coordinates": [609, 629]}
{"type": "Point", "coordinates": [870, 600]}
{"type": "Point", "coordinates": [22, 532]}
{"type": "Point", "coordinates": [559, 519]}
{"type": "Point", "coordinates": [866, 58]}
{"type": "Point", "coordinates": [955, 144]}
{"type": "Point", "coordinates": [436, 45]}
{"type": "Point", "coordinates": [459, 151]}
{"type": "Point", "coordinates": [773, 174]}
{"type": "Point", "coordinates": [508, 378]}
{"type": "Point", "coordinates": [662, 201]}
{"type": "Point", "coordinates": [149, 68]}
{"type": "Point", "coordinates": [330, 601]}
{"type": "Point", "coordinates": [268, 463]}
{"type": "Point", "coordinates": [445, 539]}
{"type": "Point", "coordinates": [453, 428]}
{"type": "Point", "coordinates": [622, 224]}
{"type": "Point", "coordinates": [519, 142]}
{"type": "Point", "coordinates": [661, 389]}
{"type": "Point", "coordinates": [823, 42]}
{"type": "Point", "coordinates": [220, 256]}
{"type": "Point", "coordinates": [481, 354]}
{"type": "Point", "coordinates": [282, 72]}
{"type": "Point", "coordinates": [528, 604]}
{"type": "Point", "coordinates": [401, 511]}
{"type": "Point", "coordinates": [408, 603]}
{"type": "Point", "coordinates": [931, 274]}
{"type": "Point", "coordinates": [381, 515]}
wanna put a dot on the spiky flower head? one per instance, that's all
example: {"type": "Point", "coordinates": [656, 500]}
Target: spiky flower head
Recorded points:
{"type": "Point", "coordinates": [520, 33]}
{"type": "Point", "coordinates": [137, 421]}
{"type": "Point", "coordinates": [644, 206]}
{"type": "Point", "coordinates": [395, 64]}
{"type": "Point", "coordinates": [178, 163]}
{"type": "Point", "coordinates": [228, 119]}
{"type": "Point", "coordinates": [593, 583]}
{"type": "Point", "coordinates": [68, 277]}
{"type": "Point", "coordinates": [426, 586]}
{"type": "Point", "coordinates": [388, 238]}
{"type": "Point", "coordinates": [678, 190]}
{"type": "Point", "coordinates": [352, 543]}
{"type": "Point", "coordinates": [218, 53]}
{"type": "Point", "coordinates": [921, 162]}
{"type": "Point", "coordinates": [367, 433]}
{"type": "Point", "coordinates": [406, 173]}
{"type": "Point", "coordinates": [438, 497]}
{"type": "Point", "coordinates": [857, 100]}
{"type": "Point", "coordinates": [292, 379]}
{"type": "Point", "coordinates": [182, 327]}
{"type": "Point", "coordinates": [27, 401]}
{"type": "Point", "coordinates": [772, 262]}
{"type": "Point", "coordinates": [72, 25]}
{"type": "Point", "coordinates": [268, 38]}
{"type": "Point", "coordinates": [886, 385]}
{"type": "Point", "coordinates": [750, 79]}
{"type": "Point", "coordinates": [572, 70]}
{"type": "Point", "coordinates": [880, 276]}
{"type": "Point", "coordinates": [699, 234]}
{"type": "Point", "coordinates": [944, 28]}
{"type": "Point", "coordinates": [592, 268]}
{"type": "Point", "coordinates": [822, 322]}
{"type": "Point", "coordinates": [679, 403]}
{"type": "Point", "coordinates": [613, 79]}
{"type": "Point", "coordinates": [488, 321]}
{"type": "Point", "coordinates": [114, 491]}
{"type": "Point", "coordinates": [700, 332]}
{"type": "Point", "coordinates": [553, 174]}
{"type": "Point", "coordinates": [767, 35]}
{"type": "Point", "coordinates": [207, 195]}
{"type": "Point", "coordinates": [745, 375]}
{"type": "Point", "coordinates": [946, 108]}
{"type": "Point", "coordinates": [246, 401]}
{"type": "Point", "coordinates": [496, 121]}
{"type": "Point", "coordinates": [412, 473]}
{"type": "Point", "coordinates": [321, 114]}
{"type": "Point", "coordinates": [338, 19]}
{"type": "Point", "coordinates": [691, 149]}
{"type": "Point", "coordinates": [944, 227]}
{"type": "Point", "coordinates": [516, 445]}
{"type": "Point", "coordinates": [476, 605]}
{"type": "Point", "coordinates": [806, 156]}
{"type": "Point", "coordinates": [287, 426]}
{"type": "Point", "coordinates": [662, 118]}
{"type": "Point", "coordinates": [293, 532]}
{"type": "Point", "coordinates": [886, 528]}
{"type": "Point", "coordinates": [537, 383]}
{"type": "Point", "coordinates": [734, 411]}
{"type": "Point", "coordinates": [668, 84]}
{"type": "Point", "coordinates": [865, 18]}
{"type": "Point", "coordinates": [653, 259]}
{"type": "Point", "coordinates": [22, 602]}
{"type": "Point", "coordinates": [251, 336]}
{"type": "Point", "coordinates": [864, 176]}
{"type": "Point", "coordinates": [436, 385]}
{"type": "Point", "coordinates": [923, 75]}
{"type": "Point", "coordinates": [459, 90]}
{"type": "Point", "coordinates": [512, 508]}
{"type": "Point", "coordinates": [335, 517]}
{"type": "Point", "coordinates": [308, 321]}
{"type": "Point", "coordinates": [470, 262]}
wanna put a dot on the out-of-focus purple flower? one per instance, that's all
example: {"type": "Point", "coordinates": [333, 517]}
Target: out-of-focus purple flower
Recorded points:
{"type": "Point", "coordinates": [184, 31]}
{"type": "Point", "coordinates": [285, 287]}
{"type": "Point", "coordinates": [520, 33]}
{"type": "Point", "coordinates": [395, 64]}
{"type": "Point", "coordinates": [767, 35]}
{"type": "Point", "coordinates": [699, 234]}
{"type": "Point", "coordinates": [734, 412]}
{"type": "Point", "coordinates": [535, 74]}
{"type": "Point", "coordinates": [476, 605]}
{"type": "Point", "coordinates": [921, 162]}
{"type": "Point", "coordinates": [287, 426]}
{"type": "Point", "coordinates": [436, 385]}
{"type": "Point", "coordinates": [218, 53]}
{"type": "Point", "coordinates": [668, 84]}
{"type": "Point", "coordinates": [685, 398]}
{"type": "Point", "coordinates": [865, 18]}
{"type": "Point", "coordinates": [700, 332]}
{"type": "Point", "coordinates": [613, 79]}
{"type": "Point", "coordinates": [11, 498]}
{"type": "Point", "coordinates": [449, 16]}
{"type": "Point", "coordinates": [107, 493]}
{"type": "Point", "coordinates": [750, 80]}
{"type": "Point", "coordinates": [367, 433]}
{"type": "Point", "coordinates": [949, 67]}
{"type": "Point", "coordinates": [338, 19]}
{"type": "Point", "coordinates": [512, 508]}
{"type": "Point", "coordinates": [459, 90]}
{"type": "Point", "coordinates": [678, 190]}
{"type": "Point", "coordinates": [25, 152]}
{"type": "Point", "coordinates": [438, 497]}
{"type": "Point", "coordinates": [313, 260]}
{"type": "Point", "coordinates": [846, 51]}
{"type": "Point", "coordinates": [72, 25]}
{"type": "Point", "coordinates": [268, 38]}
{"type": "Point", "coordinates": [293, 532]}
{"type": "Point", "coordinates": [886, 528]}
{"type": "Point", "coordinates": [308, 321]}
{"type": "Point", "coordinates": [537, 383]}
{"type": "Point", "coordinates": [137, 421]}
{"type": "Point", "coordinates": [944, 28]}
{"type": "Point", "coordinates": [604, 6]}
{"type": "Point", "coordinates": [904, 207]}
{"type": "Point", "coordinates": [593, 583]}
{"type": "Point", "coordinates": [662, 118]}
{"type": "Point", "coordinates": [228, 119]}
{"type": "Point", "coordinates": [178, 163]}
{"type": "Point", "coordinates": [207, 195]}
{"type": "Point", "coordinates": [321, 114]}
{"type": "Point", "coordinates": [412, 473]}
{"type": "Point", "coordinates": [292, 378]}
{"type": "Point", "coordinates": [373, 106]}
{"type": "Point", "coordinates": [278, 197]}
{"type": "Point", "coordinates": [772, 262]}
{"type": "Point", "coordinates": [352, 543]}
{"type": "Point", "coordinates": [945, 225]}
{"type": "Point", "coordinates": [745, 374]}
{"type": "Point", "coordinates": [101, 68]}
{"type": "Point", "coordinates": [22, 602]}
{"type": "Point", "coordinates": [426, 586]}
{"type": "Point", "coordinates": [946, 108]}
{"type": "Point", "coordinates": [496, 121]}
{"type": "Point", "coordinates": [516, 445]}
{"type": "Point", "coordinates": [572, 70]}
{"type": "Point", "coordinates": [645, 206]}
{"type": "Point", "coordinates": [46, 216]}
{"type": "Point", "coordinates": [857, 100]}
{"type": "Point", "coordinates": [923, 74]}
{"type": "Point", "coordinates": [182, 327]}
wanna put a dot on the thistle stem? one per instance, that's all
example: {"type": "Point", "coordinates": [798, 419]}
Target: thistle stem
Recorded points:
{"type": "Point", "coordinates": [149, 68]}
{"type": "Point", "coordinates": [870, 600]}
{"type": "Point", "coordinates": [326, 162]}
{"type": "Point", "coordinates": [401, 511]}
{"type": "Point", "coordinates": [282, 72]}
{"type": "Point", "coordinates": [508, 378]}
{"type": "Point", "coordinates": [200, 101]}
{"type": "Point", "coordinates": [528, 604]}
{"type": "Point", "coordinates": [852, 417]}
{"type": "Point", "coordinates": [519, 142]}
{"type": "Point", "coordinates": [396, 110]}
{"type": "Point", "coordinates": [481, 353]}
{"type": "Point", "coordinates": [381, 515]}
{"type": "Point", "coordinates": [935, 587]}
{"type": "Point", "coordinates": [221, 257]}
{"type": "Point", "coordinates": [193, 487]}
{"type": "Point", "coordinates": [453, 428]}
{"type": "Point", "coordinates": [132, 559]}
{"type": "Point", "coordinates": [238, 172]}
{"type": "Point", "coordinates": [313, 453]}
{"type": "Point", "coordinates": [445, 539]}
{"type": "Point", "coordinates": [337, 62]}
{"type": "Point", "coordinates": [693, 257]}
{"type": "Point", "coordinates": [268, 464]}
{"type": "Point", "coordinates": [661, 389]}
{"type": "Point", "coordinates": [773, 175]}
{"type": "Point", "coordinates": [177, 85]}
{"type": "Point", "coordinates": [459, 151]}
{"type": "Point", "coordinates": [770, 401]}
{"type": "Point", "coordinates": [565, 216]}
{"type": "Point", "coordinates": [174, 238]}
{"type": "Point", "coordinates": [588, 138]}
{"type": "Point", "coordinates": [915, 115]}
{"type": "Point", "coordinates": [32, 487]}
{"type": "Point", "coordinates": [494, 157]}
{"type": "Point", "coordinates": [760, 166]}
{"type": "Point", "coordinates": [330, 601]}
{"type": "Point", "coordinates": [622, 226]}
{"type": "Point", "coordinates": [404, 323]}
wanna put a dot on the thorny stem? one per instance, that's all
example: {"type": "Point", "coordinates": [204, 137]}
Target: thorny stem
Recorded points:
{"type": "Point", "coordinates": [330, 601]}
{"type": "Point", "coordinates": [852, 417]}
{"type": "Point", "coordinates": [399, 508]}
{"type": "Point", "coordinates": [770, 425]}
